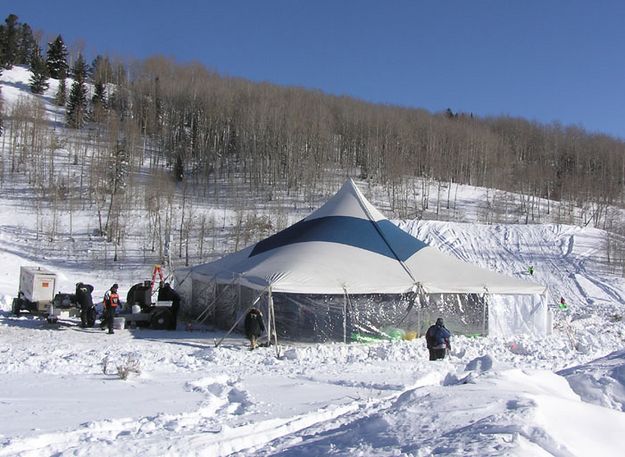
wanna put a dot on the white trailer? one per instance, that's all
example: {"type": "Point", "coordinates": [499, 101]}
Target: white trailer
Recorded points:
{"type": "Point", "coordinates": [36, 290]}
{"type": "Point", "coordinates": [37, 285]}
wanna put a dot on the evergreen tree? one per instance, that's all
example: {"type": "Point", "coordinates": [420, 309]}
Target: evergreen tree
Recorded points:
{"type": "Point", "coordinates": [119, 99]}
{"type": "Point", "coordinates": [39, 78]}
{"type": "Point", "coordinates": [57, 58]}
{"type": "Point", "coordinates": [26, 45]}
{"type": "Point", "coordinates": [60, 98]}
{"type": "Point", "coordinates": [2, 46]}
{"type": "Point", "coordinates": [77, 103]}
{"type": "Point", "coordinates": [99, 103]}
{"type": "Point", "coordinates": [9, 36]}
{"type": "Point", "coordinates": [100, 73]}
{"type": "Point", "coordinates": [99, 95]}
{"type": "Point", "coordinates": [101, 70]}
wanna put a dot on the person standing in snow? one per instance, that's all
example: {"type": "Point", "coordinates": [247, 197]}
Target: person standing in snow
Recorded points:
{"type": "Point", "coordinates": [437, 339]}
{"type": "Point", "coordinates": [254, 326]}
{"type": "Point", "coordinates": [111, 301]}
{"type": "Point", "coordinates": [84, 299]}
{"type": "Point", "coordinates": [167, 293]}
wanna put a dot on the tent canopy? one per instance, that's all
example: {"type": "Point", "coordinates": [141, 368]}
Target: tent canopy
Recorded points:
{"type": "Point", "coordinates": [348, 246]}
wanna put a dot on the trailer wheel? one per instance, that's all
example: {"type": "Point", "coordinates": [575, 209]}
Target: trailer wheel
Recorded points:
{"type": "Point", "coordinates": [161, 320]}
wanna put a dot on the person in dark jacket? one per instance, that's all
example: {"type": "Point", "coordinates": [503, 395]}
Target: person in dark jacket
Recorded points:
{"type": "Point", "coordinates": [438, 339]}
{"type": "Point", "coordinates": [166, 292]}
{"type": "Point", "coordinates": [254, 326]}
{"type": "Point", "coordinates": [85, 301]}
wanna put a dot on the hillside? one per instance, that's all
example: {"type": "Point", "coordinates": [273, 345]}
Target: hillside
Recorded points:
{"type": "Point", "coordinates": [61, 176]}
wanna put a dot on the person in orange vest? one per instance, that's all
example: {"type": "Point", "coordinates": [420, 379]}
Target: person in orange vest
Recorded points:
{"type": "Point", "coordinates": [111, 301]}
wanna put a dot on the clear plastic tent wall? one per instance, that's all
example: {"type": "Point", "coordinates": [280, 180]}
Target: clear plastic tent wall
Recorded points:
{"type": "Point", "coordinates": [321, 318]}
{"type": "Point", "coordinates": [487, 314]}
{"type": "Point", "coordinates": [302, 317]}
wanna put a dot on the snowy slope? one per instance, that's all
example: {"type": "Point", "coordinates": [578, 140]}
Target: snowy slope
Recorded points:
{"type": "Point", "coordinates": [567, 259]}
{"type": "Point", "coordinates": [563, 395]}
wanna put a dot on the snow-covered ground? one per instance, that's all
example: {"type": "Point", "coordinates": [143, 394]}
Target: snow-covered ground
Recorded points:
{"type": "Point", "coordinates": [562, 395]}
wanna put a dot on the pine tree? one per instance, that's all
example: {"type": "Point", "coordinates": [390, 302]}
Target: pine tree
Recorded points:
{"type": "Point", "coordinates": [3, 44]}
{"type": "Point", "coordinates": [8, 34]}
{"type": "Point", "coordinates": [60, 98]}
{"type": "Point", "coordinates": [100, 73]}
{"type": "Point", "coordinates": [98, 102]}
{"type": "Point", "coordinates": [57, 58]}
{"type": "Point", "coordinates": [99, 94]}
{"type": "Point", "coordinates": [77, 104]}
{"type": "Point", "coordinates": [39, 78]}
{"type": "Point", "coordinates": [26, 45]}
{"type": "Point", "coordinates": [101, 70]}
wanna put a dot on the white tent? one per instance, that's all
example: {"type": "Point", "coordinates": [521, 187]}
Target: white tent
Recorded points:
{"type": "Point", "coordinates": [348, 248]}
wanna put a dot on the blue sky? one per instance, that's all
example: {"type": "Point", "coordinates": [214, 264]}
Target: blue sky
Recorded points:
{"type": "Point", "coordinates": [543, 60]}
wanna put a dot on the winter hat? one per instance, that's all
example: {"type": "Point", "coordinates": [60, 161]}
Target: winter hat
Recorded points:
{"type": "Point", "coordinates": [114, 286]}
{"type": "Point", "coordinates": [439, 321]}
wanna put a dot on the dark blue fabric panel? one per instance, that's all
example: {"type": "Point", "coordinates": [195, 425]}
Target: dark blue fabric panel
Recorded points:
{"type": "Point", "coordinates": [403, 243]}
{"type": "Point", "coordinates": [351, 231]}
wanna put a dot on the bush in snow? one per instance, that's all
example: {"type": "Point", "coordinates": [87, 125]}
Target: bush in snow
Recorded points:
{"type": "Point", "coordinates": [131, 364]}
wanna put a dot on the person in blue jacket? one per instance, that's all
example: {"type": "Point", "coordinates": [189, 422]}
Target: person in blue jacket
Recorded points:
{"type": "Point", "coordinates": [438, 339]}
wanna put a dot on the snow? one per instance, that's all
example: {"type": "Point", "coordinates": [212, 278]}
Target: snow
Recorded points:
{"type": "Point", "coordinates": [563, 395]}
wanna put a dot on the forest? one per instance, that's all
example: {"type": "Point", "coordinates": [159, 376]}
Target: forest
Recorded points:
{"type": "Point", "coordinates": [192, 130]}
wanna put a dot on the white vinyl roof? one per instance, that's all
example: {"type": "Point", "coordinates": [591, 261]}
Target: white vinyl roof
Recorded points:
{"type": "Point", "coordinates": [348, 245]}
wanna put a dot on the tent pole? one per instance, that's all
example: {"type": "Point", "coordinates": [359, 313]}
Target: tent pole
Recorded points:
{"type": "Point", "coordinates": [238, 320]}
{"type": "Point", "coordinates": [421, 299]}
{"type": "Point", "coordinates": [548, 318]}
{"type": "Point", "coordinates": [269, 307]}
{"type": "Point", "coordinates": [273, 323]}
{"type": "Point", "coordinates": [344, 315]}
{"type": "Point", "coordinates": [204, 314]}
{"type": "Point", "coordinates": [485, 304]}
{"type": "Point", "coordinates": [238, 295]}
{"type": "Point", "coordinates": [419, 308]}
